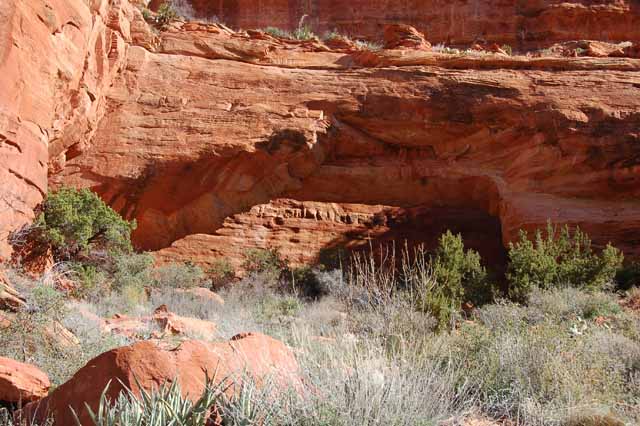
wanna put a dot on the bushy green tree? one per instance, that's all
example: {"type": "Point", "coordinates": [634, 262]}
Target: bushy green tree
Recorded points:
{"type": "Point", "coordinates": [460, 272]}
{"type": "Point", "coordinates": [72, 220]}
{"type": "Point", "coordinates": [458, 277]}
{"type": "Point", "coordinates": [554, 259]}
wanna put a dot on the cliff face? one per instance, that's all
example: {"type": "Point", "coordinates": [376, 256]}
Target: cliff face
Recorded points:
{"type": "Point", "coordinates": [520, 23]}
{"type": "Point", "coordinates": [56, 59]}
{"type": "Point", "coordinates": [217, 141]}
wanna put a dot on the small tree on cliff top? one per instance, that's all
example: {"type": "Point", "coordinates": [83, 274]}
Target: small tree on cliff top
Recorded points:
{"type": "Point", "coordinates": [73, 220]}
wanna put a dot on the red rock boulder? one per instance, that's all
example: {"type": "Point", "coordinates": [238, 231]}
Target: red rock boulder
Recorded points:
{"type": "Point", "coordinates": [148, 365]}
{"type": "Point", "coordinates": [160, 324]}
{"type": "Point", "coordinates": [340, 43]}
{"type": "Point", "coordinates": [399, 36]}
{"type": "Point", "coordinates": [21, 382]}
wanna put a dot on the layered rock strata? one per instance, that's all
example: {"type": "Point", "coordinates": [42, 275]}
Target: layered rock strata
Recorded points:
{"type": "Point", "coordinates": [217, 122]}
{"type": "Point", "coordinates": [56, 60]}
{"type": "Point", "coordinates": [188, 130]}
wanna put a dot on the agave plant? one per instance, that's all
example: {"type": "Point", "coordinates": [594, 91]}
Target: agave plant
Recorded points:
{"type": "Point", "coordinates": [7, 419]}
{"type": "Point", "coordinates": [251, 405]}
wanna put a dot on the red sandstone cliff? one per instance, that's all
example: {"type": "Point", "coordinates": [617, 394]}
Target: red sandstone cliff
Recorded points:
{"type": "Point", "coordinates": [56, 59]}
{"type": "Point", "coordinates": [520, 23]}
{"type": "Point", "coordinates": [216, 141]}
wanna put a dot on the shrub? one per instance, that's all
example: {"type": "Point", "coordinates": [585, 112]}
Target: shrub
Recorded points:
{"type": "Point", "coordinates": [146, 15]}
{"type": "Point", "coordinates": [557, 259]}
{"type": "Point", "coordinates": [459, 273]}
{"type": "Point", "coordinates": [184, 9]}
{"type": "Point", "coordinates": [132, 297]}
{"type": "Point", "coordinates": [130, 300]}
{"type": "Point", "coordinates": [178, 275]}
{"type": "Point", "coordinates": [332, 35]}
{"type": "Point", "coordinates": [633, 298]}
{"type": "Point", "coordinates": [277, 32]}
{"type": "Point", "coordinates": [264, 261]}
{"type": "Point", "coordinates": [437, 284]}
{"type": "Point", "coordinates": [507, 48]}
{"type": "Point", "coordinates": [166, 14]}
{"type": "Point", "coordinates": [36, 335]}
{"type": "Point", "coordinates": [567, 304]}
{"type": "Point", "coordinates": [333, 282]}
{"type": "Point", "coordinates": [383, 364]}
{"type": "Point", "coordinates": [306, 283]}
{"type": "Point", "coordinates": [303, 33]}
{"type": "Point", "coordinates": [537, 371]}
{"type": "Point", "coordinates": [372, 282]}
{"type": "Point", "coordinates": [274, 307]}
{"type": "Point", "coordinates": [457, 277]}
{"type": "Point", "coordinates": [594, 420]}
{"type": "Point", "coordinates": [368, 45]}
{"type": "Point", "coordinates": [28, 330]}
{"type": "Point", "coordinates": [90, 279]}
{"type": "Point", "coordinates": [32, 330]}
{"type": "Point", "coordinates": [441, 48]}
{"type": "Point", "coordinates": [221, 273]}
{"type": "Point", "coordinates": [131, 270]}
{"type": "Point", "coordinates": [358, 384]}
{"type": "Point", "coordinates": [628, 276]}
{"type": "Point", "coordinates": [186, 304]}
{"type": "Point", "coordinates": [73, 220]}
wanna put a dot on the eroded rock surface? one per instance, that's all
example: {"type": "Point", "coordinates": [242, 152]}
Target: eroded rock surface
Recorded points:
{"type": "Point", "coordinates": [56, 59]}
{"type": "Point", "coordinates": [311, 232]}
{"type": "Point", "coordinates": [193, 137]}
{"type": "Point", "coordinates": [198, 131]}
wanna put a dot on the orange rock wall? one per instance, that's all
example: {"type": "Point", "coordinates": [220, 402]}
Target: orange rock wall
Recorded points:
{"type": "Point", "coordinates": [520, 23]}
{"type": "Point", "coordinates": [215, 141]}
{"type": "Point", "coordinates": [214, 124]}
{"type": "Point", "coordinates": [56, 59]}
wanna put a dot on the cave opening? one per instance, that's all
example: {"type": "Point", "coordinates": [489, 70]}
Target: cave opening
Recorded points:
{"type": "Point", "coordinates": [305, 232]}
{"type": "Point", "coordinates": [423, 226]}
